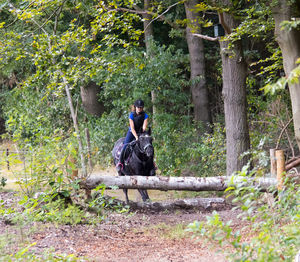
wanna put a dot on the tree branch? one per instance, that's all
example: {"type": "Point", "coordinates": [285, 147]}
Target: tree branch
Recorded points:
{"type": "Point", "coordinates": [223, 23]}
{"type": "Point", "coordinates": [161, 15]}
{"type": "Point", "coordinates": [295, 162]}
{"type": "Point", "coordinates": [206, 37]}
{"type": "Point", "coordinates": [29, 4]}
{"type": "Point", "coordinates": [73, 114]}
{"type": "Point", "coordinates": [59, 9]}
{"type": "Point", "coordinates": [281, 133]}
{"type": "Point", "coordinates": [40, 26]}
{"type": "Point", "coordinates": [139, 11]}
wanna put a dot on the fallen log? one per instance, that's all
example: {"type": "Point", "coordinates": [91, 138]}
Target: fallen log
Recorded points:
{"type": "Point", "coordinates": [203, 204]}
{"type": "Point", "coordinates": [295, 162]}
{"type": "Point", "coordinates": [174, 183]}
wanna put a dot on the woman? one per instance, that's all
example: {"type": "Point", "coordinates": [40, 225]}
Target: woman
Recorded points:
{"type": "Point", "coordinates": [138, 121]}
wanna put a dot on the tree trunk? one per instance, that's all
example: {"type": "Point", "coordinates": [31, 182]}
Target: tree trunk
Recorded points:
{"type": "Point", "coordinates": [171, 183]}
{"type": "Point", "coordinates": [199, 90]}
{"type": "Point", "coordinates": [148, 35]}
{"type": "Point", "coordinates": [235, 105]}
{"type": "Point", "coordinates": [90, 100]}
{"type": "Point", "coordinates": [2, 125]}
{"type": "Point", "coordinates": [76, 127]}
{"type": "Point", "coordinates": [289, 42]}
{"type": "Point", "coordinates": [148, 28]}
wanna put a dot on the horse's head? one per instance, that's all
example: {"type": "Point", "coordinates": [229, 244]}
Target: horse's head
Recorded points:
{"type": "Point", "coordinates": [145, 143]}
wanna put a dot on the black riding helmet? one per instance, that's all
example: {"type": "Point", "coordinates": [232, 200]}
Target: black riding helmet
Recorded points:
{"type": "Point", "coordinates": [139, 103]}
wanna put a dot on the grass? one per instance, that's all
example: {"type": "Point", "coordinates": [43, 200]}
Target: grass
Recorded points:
{"type": "Point", "coordinates": [15, 237]}
{"type": "Point", "coordinates": [10, 166]}
{"type": "Point", "coordinates": [168, 231]}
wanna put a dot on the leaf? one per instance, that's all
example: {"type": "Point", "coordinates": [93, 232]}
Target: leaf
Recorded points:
{"type": "Point", "coordinates": [273, 88]}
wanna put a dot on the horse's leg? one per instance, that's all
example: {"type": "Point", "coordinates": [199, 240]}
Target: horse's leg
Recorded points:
{"type": "Point", "coordinates": [125, 190]}
{"type": "Point", "coordinates": [144, 194]}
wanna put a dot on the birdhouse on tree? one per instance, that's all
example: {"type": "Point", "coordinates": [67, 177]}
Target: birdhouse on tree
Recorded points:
{"type": "Point", "coordinates": [219, 30]}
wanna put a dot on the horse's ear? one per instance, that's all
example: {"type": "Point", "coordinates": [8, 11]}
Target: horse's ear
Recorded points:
{"type": "Point", "coordinates": [149, 131]}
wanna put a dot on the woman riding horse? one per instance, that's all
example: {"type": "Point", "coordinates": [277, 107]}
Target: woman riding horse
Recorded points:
{"type": "Point", "coordinates": [138, 121]}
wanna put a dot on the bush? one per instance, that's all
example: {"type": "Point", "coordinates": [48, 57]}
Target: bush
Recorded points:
{"type": "Point", "coordinates": [276, 225]}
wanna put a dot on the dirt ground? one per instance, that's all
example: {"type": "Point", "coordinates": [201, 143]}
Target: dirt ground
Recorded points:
{"type": "Point", "coordinates": [136, 236]}
{"type": "Point", "coordinates": [147, 236]}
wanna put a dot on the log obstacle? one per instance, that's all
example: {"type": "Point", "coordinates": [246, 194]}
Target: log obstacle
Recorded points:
{"type": "Point", "coordinates": [202, 204]}
{"type": "Point", "coordinates": [220, 183]}
{"type": "Point", "coordinates": [175, 183]}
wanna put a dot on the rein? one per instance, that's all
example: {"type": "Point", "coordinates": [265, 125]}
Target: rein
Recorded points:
{"type": "Point", "coordinates": [146, 146]}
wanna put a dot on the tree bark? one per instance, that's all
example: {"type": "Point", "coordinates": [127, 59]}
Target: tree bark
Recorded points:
{"type": "Point", "coordinates": [90, 100]}
{"type": "Point", "coordinates": [199, 90]}
{"type": "Point", "coordinates": [289, 42]}
{"type": "Point", "coordinates": [148, 28]}
{"type": "Point", "coordinates": [172, 183]}
{"type": "Point", "coordinates": [235, 104]}
{"type": "Point", "coordinates": [149, 36]}
{"type": "Point", "coordinates": [76, 127]}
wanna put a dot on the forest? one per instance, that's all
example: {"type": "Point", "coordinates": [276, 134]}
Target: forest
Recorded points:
{"type": "Point", "coordinates": [220, 83]}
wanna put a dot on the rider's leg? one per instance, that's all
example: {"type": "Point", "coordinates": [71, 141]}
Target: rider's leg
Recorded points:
{"type": "Point", "coordinates": [153, 168]}
{"type": "Point", "coordinates": [129, 137]}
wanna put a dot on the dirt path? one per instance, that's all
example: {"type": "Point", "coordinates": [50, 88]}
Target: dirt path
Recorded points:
{"type": "Point", "coordinates": [139, 236]}
{"type": "Point", "coordinates": [136, 239]}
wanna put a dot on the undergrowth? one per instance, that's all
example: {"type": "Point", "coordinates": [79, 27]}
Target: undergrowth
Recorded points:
{"type": "Point", "coordinates": [274, 228]}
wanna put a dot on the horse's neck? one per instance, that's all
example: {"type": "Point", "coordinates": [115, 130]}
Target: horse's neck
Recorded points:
{"type": "Point", "coordinates": [138, 152]}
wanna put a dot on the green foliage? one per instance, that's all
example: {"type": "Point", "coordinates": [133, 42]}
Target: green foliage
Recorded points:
{"type": "Point", "coordinates": [56, 212]}
{"type": "Point", "coordinates": [208, 154]}
{"type": "Point", "coordinates": [275, 225]}
{"type": "Point", "coordinates": [3, 182]}
{"type": "Point", "coordinates": [292, 78]}
{"type": "Point", "coordinates": [43, 168]}
{"type": "Point", "coordinates": [128, 75]}
{"type": "Point", "coordinates": [33, 116]}
{"type": "Point", "coordinates": [48, 208]}
{"type": "Point", "coordinates": [172, 138]}
{"type": "Point", "coordinates": [100, 202]}
{"type": "Point", "coordinates": [179, 150]}
{"type": "Point", "coordinates": [289, 25]}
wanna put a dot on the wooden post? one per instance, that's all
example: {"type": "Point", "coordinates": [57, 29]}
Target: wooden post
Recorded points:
{"type": "Point", "coordinates": [88, 140]}
{"type": "Point", "coordinates": [280, 168]}
{"type": "Point", "coordinates": [88, 192]}
{"type": "Point", "coordinates": [7, 155]}
{"type": "Point", "coordinates": [74, 170]}
{"type": "Point", "coordinates": [273, 163]}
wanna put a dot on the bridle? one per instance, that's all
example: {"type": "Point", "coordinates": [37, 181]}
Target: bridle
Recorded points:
{"type": "Point", "coordinates": [143, 149]}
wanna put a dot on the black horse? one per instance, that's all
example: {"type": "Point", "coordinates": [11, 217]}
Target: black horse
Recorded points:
{"type": "Point", "coordinates": [138, 158]}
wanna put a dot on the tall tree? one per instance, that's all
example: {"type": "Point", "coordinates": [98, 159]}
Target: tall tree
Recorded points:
{"type": "Point", "coordinates": [149, 36]}
{"type": "Point", "coordinates": [199, 89]}
{"type": "Point", "coordinates": [234, 73]}
{"type": "Point", "coordinates": [289, 42]}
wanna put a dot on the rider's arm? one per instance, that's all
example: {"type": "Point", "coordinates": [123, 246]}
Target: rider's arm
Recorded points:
{"type": "Point", "coordinates": [145, 124]}
{"type": "Point", "coordinates": [131, 123]}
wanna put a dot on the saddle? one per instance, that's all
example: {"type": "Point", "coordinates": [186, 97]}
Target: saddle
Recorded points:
{"type": "Point", "coordinates": [126, 153]}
